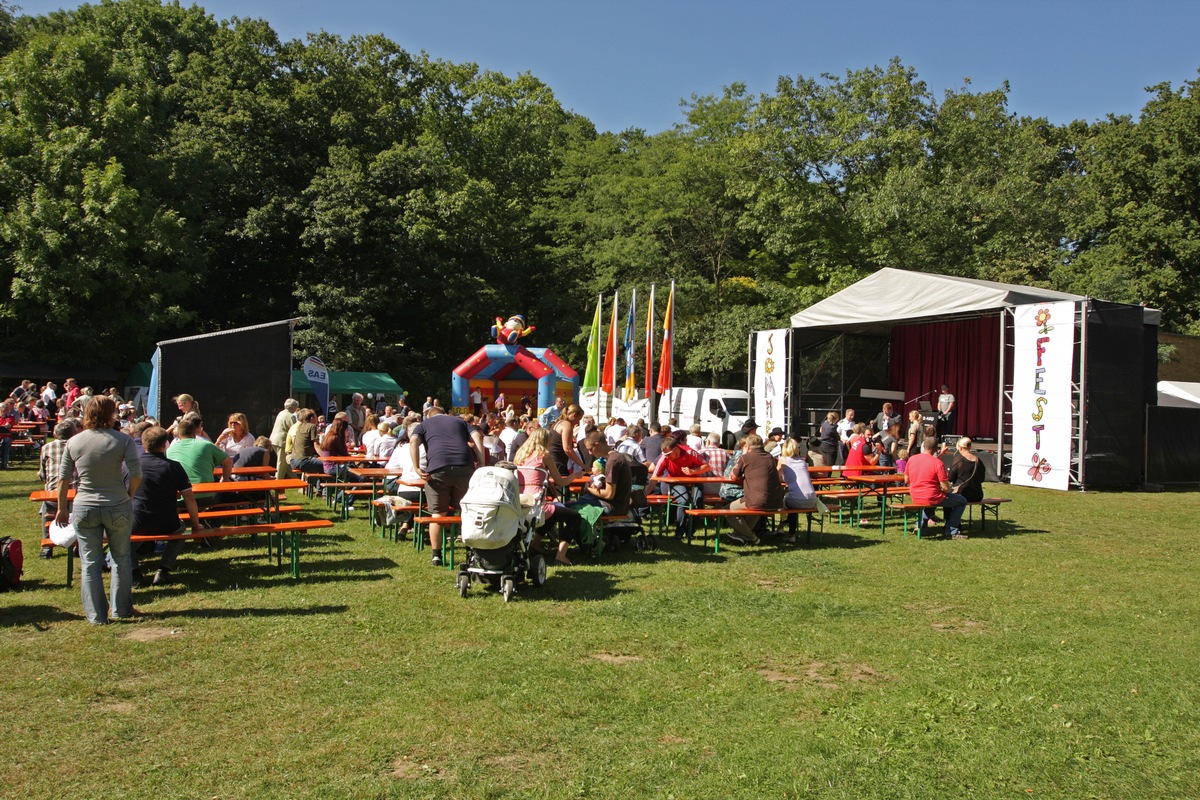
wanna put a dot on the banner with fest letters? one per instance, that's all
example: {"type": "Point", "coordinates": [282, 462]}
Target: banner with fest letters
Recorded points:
{"type": "Point", "coordinates": [1043, 362]}
{"type": "Point", "coordinates": [770, 380]}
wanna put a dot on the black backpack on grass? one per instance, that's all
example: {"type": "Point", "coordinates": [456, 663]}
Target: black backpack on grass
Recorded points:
{"type": "Point", "coordinates": [12, 563]}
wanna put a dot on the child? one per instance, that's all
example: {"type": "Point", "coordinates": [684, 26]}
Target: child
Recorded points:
{"type": "Point", "coordinates": [598, 467]}
{"type": "Point", "coordinates": [901, 460]}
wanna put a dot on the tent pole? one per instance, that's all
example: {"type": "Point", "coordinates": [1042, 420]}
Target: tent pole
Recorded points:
{"type": "Point", "coordinates": [1000, 403]}
{"type": "Point", "coordinates": [1085, 306]}
{"type": "Point", "coordinates": [750, 372]}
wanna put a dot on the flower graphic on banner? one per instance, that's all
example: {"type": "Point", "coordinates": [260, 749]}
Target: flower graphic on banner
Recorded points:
{"type": "Point", "coordinates": [1040, 467]}
{"type": "Point", "coordinates": [1041, 320]}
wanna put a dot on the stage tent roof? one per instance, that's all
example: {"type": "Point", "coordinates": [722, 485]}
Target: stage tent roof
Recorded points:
{"type": "Point", "coordinates": [348, 382]}
{"type": "Point", "coordinates": [894, 296]}
{"type": "Point", "coordinates": [1179, 394]}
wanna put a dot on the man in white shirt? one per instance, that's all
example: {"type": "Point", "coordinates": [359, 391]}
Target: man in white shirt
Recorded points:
{"type": "Point", "coordinates": [845, 427]}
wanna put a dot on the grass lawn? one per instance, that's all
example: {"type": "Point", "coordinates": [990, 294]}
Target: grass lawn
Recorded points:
{"type": "Point", "coordinates": [1055, 658]}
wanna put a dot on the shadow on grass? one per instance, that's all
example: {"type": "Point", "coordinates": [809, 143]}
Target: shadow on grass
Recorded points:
{"type": "Point", "coordinates": [37, 616]}
{"type": "Point", "coordinates": [252, 571]}
{"type": "Point", "coordinates": [230, 613]}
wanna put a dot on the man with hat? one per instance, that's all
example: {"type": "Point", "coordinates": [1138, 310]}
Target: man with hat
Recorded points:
{"type": "Point", "coordinates": [748, 427]}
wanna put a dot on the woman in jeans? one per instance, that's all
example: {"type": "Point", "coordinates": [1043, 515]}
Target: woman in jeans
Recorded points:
{"type": "Point", "coordinates": [103, 507]}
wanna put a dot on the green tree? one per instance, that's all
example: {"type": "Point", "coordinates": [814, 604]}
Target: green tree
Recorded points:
{"type": "Point", "coordinates": [1135, 222]}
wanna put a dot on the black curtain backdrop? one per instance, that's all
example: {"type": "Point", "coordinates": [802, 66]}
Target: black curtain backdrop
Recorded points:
{"type": "Point", "coordinates": [246, 370]}
{"type": "Point", "coordinates": [963, 354]}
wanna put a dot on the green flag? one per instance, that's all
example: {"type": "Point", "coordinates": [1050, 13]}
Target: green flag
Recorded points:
{"type": "Point", "coordinates": [591, 376]}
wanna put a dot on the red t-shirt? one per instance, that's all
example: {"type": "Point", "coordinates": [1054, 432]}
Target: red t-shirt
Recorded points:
{"type": "Point", "coordinates": [854, 458]}
{"type": "Point", "coordinates": [673, 468]}
{"type": "Point", "coordinates": [924, 475]}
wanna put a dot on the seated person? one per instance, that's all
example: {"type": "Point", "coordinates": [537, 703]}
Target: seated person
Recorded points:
{"type": "Point", "coordinates": [611, 489]}
{"type": "Point", "coordinates": [155, 503]}
{"type": "Point", "coordinates": [534, 466]}
{"type": "Point", "coordinates": [383, 445]}
{"type": "Point", "coordinates": [929, 485]}
{"type": "Point", "coordinates": [199, 457]}
{"type": "Point", "coordinates": [679, 461]}
{"type": "Point", "coordinates": [408, 485]}
{"type": "Point", "coordinates": [758, 474]}
{"type": "Point", "coordinates": [860, 453]}
{"type": "Point", "coordinates": [303, 456]}
{"type": "Point", "coordinates": [793, 471]}
{"type": "Point", "coordinates": [966, 472]}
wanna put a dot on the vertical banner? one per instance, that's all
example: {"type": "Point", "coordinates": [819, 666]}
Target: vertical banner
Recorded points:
{"type": "Point", "coordinates": [318, 378]}
{"type": "Point", "coordinates": [630, 383]}
{"type": "Point", "coordinates": [770, 380]}
{"type": "Point", "coordinates": [1043, 361]}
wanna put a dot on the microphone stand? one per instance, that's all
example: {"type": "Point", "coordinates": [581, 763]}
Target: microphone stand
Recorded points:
{"type": "Point", "coordinates": [920, 397]}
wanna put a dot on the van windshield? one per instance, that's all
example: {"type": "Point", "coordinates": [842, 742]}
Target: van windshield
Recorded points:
{"type": "Point", "coordinates": [737, 406]}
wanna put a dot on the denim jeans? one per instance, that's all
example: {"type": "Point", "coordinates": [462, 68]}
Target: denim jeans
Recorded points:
{"type": "Point", "coordinates": [5, 451]}
{"type": "Point", "coordinates": [92, 523]}
{"type": "Point", "coordinates": [955, 505]}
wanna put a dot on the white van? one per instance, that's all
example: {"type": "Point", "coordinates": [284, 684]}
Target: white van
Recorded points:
{"type": "Point", "coordinates": [721, 410]}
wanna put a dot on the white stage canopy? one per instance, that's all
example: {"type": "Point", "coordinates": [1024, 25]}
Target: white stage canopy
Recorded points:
{"type": "Point", "coordinates": [890, 296]}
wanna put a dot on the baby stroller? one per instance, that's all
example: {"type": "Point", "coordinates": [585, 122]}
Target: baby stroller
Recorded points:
{"type": "Point", "coordinates": [497, 527]}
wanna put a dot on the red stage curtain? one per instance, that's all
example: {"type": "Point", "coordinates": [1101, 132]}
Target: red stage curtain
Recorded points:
{"type": "Point", "coordinates": [965, 355]}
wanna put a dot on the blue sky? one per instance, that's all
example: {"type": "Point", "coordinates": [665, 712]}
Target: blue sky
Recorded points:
{"type": "Point", "coordinates": [628, 64]}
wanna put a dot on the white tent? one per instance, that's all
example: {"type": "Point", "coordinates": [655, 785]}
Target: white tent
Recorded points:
{"type": "Point", "coordinates": [1179, 394]}
{"type": "Point", "coordinates": [890, 295]}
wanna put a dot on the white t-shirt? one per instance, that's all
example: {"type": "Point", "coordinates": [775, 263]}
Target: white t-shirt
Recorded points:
{"type": "Point", "coordinates": [844, 428]}
{"type": "Point", "coordinates": [381, 446]}
{"type": "Point", "coordinates": [369, 438]}
{"type": "Point", "coordinates": [944, 402]}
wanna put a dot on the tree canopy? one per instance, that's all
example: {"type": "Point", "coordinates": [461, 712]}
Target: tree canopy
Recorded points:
{"type": "Point", "coordinates": [162, 173]}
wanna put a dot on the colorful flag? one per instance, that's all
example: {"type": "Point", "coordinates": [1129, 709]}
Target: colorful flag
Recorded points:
{"type": "Point", "coordinates": [650, 347]}
{"type": "Point", "coordinates": [630, 385]}
{"type": "Point", "coordinates": [664, 362]}
{"type": "Point", "coordinates": [608, 377]}
{"type": "Point", "coordinates": [591, 376]}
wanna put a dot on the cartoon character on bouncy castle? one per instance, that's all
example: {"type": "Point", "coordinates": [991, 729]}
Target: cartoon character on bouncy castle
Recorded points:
{"type": "Point", "coordinates": [513, 331]}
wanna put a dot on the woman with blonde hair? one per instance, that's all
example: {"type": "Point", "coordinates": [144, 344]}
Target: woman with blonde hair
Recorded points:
{"type": "Point", "coordinates": [236, 438]}
{"type": "Point", "coordinates": [534, 466]}
{"type": "Point", "coordinates": [793, 471]}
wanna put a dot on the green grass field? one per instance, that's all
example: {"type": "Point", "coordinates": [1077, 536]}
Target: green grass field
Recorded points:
{"type": "Point", "coordinates": [1056, 658]}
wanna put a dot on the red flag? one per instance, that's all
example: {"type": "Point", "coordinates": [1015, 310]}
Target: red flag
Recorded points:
{"type": "Point", "coordinates": [608, 376]}
{"type": "Point", "coordinates": [664, 366]}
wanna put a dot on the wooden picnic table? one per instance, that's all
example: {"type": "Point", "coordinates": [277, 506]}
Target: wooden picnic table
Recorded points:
{"type": "Point", "coordinates": [869, 468]}
{"type": "Point", "coordinates": [377, 475]}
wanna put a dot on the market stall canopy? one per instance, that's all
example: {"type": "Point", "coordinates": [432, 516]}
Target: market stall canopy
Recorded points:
{"type": "Point", "coordinates": [349, 382]}
{"type": "Point", "coordinates": [895, 296]}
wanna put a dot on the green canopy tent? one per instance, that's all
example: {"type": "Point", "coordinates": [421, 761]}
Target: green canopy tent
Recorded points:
{"type": "Point", "coordinates": [350, 382]}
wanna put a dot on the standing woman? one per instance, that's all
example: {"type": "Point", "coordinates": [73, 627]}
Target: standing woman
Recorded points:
{"type": "Point", "coordinates": [562, 441]}
{"type": "Point", "coordinates": [829, 439]}
{"type": "Point", "coordinates": [103, 506]}
{"type": "Point", "coordinates": [916, 432]}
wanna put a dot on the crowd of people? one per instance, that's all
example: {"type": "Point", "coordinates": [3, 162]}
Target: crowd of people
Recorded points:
{"type": "Point", "coordinates": [136, 481]}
